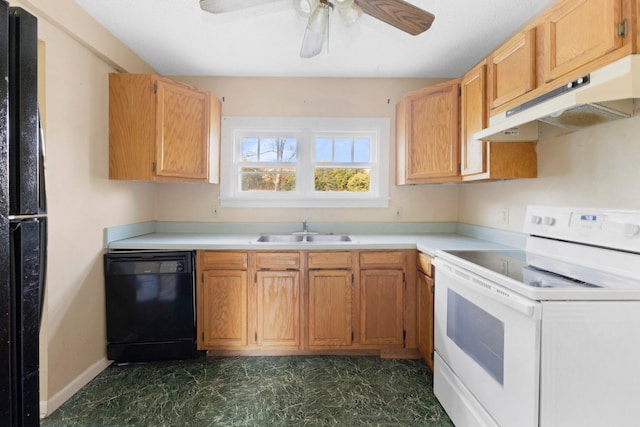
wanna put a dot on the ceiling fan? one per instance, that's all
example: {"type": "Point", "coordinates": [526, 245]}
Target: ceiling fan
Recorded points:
{"type": "Point", "coordinates": [397, 13]}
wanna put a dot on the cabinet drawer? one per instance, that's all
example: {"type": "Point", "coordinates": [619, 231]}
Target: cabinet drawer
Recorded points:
{"type": "Point", "coordinates": [225, 260]}
{"type": "Point", "coordinates": [330, 260]}
{"type": "Point", "coordinates": [278, 260]}
{"type": "Point", "coordinates": [385, 259]}
{"type": "Point", "coordinates": [424, 263]}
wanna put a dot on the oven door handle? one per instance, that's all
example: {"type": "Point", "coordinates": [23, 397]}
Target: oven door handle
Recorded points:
{"type": "Point", "coordinates": [485, 288]}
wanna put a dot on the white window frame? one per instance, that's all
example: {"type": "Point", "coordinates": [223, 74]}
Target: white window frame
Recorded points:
{"type": "Point", "coordinates": [305, 129]}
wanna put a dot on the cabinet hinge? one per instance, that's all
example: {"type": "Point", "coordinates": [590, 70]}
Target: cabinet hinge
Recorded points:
{"type": "Point", "coordinates": [155, 88]}
{"type": "Point", "coordinates": [432, 356]}
{"type": "Point", "coordinates": [404, 338]}
{"type": "Point", "coordinates": [622, 29]}
{"type": "Point", "coordinates": [255, 337]}
{"type": "Point", "coordinates": [353, 337]}
{"type": "Point", "coordinates": [404, 278]}
{"type": "Point", "coordinates": [255, 278]}
{"type": "Point", "coordinates": [459, 168]}
{"type": "Point", "coordinates": [153, 167]}
{"type": "Point", "coordinates": [202, 335]}
{"type": "Point", "coordinates": [353, 279]}
{"type": "Point", "coordinates": [202, 277]}
{"type": "Point", "coordinates": [433, 288]}
{"type": "Point", "coordinates": [459, 91]}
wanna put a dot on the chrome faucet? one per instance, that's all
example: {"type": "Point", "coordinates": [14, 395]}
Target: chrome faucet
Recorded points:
{"type": "Point", "coordinates": [305, 227]}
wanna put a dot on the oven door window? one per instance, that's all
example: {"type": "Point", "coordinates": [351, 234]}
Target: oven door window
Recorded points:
{"type": "Point", "coordinates": [479, 334]}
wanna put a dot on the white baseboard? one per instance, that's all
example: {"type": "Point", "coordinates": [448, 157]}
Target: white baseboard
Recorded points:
{"type": "Point", "coordinates": [48, 406]}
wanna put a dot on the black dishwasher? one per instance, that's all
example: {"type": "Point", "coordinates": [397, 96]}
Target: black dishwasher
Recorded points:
{"type": "Point", "coordinates": [150, 306]}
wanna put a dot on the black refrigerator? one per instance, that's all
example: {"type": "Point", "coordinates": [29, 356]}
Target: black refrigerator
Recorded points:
{"type": "Point", "coordinates": [23, 221]}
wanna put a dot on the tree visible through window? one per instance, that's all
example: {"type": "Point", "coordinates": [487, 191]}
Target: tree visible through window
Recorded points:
{"type": "Point", "coordinates": [274, 160]}
{"type": "Point", "coordinates": [336, 164]}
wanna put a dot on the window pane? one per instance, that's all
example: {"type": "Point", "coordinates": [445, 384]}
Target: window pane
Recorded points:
{"type": "Point", "coordinates": [249, 150]}
{"type": "Point", "coordinates": [277, 150]}
{"type": "Point", "coordinates": [268, 179]}
{"type": "Point", "coordinates": [343, 150]}
{"type": "Point", "coordinates": [362, 150]}
{"type": "Point", "coordinates": [342, 179]}
{"type": "Point", "coordinates": [324, 150]}
{"type": "Point", "coordinates": [255, 149]}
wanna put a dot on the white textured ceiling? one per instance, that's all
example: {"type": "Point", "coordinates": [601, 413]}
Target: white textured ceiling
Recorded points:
{"type": "Point", "coordinates": [176, 37]}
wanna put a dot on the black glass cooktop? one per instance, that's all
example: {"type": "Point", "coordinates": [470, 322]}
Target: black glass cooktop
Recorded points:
{"type": "Point", "coordinates": [514, 264]}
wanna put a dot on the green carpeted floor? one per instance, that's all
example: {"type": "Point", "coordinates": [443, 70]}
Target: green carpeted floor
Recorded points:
{"type": "Point", "coordinates": [258, 391]}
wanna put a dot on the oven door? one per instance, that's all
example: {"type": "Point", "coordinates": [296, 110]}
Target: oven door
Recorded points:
{"type": "Point", "coordinates": [487, 340]}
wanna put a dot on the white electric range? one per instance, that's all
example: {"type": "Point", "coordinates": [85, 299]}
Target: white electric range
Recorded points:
{"type": "Point", "coordinates": [549, 336]}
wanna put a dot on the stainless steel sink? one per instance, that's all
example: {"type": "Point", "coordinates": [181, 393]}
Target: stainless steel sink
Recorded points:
{"type": "Point", "coordinates": [304, 238]}
{"type": "Point", "coordinates": [280, 238]}
{"type": "Point", "coordinates": [326, 238]}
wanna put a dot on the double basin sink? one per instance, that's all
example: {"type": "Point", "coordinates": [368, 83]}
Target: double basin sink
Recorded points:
{"type": "Point", "coordinates": [304, 238]}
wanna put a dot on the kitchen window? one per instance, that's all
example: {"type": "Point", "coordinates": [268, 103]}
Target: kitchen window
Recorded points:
{"type": "Point", "coordinates": [304, 162]}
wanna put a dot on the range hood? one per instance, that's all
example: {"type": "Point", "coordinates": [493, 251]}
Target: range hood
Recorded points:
{"type": "Point", "coordinates": [601, 96]}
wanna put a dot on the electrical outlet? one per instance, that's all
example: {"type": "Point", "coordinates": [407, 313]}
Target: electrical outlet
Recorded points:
{"type": "Point", "coordinates": [504, 216]}
{"type": "Point", "coordinates": [397, 213]}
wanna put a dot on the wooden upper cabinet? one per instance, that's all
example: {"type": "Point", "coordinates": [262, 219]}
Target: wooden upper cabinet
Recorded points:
{"type": "Point", "coordinates": [488, 160]}
{"type": "Point", "coordinates": [162, 130]}
{"type": "Point", "coordinates": [473, 106]}
{"type": "Point", "coordinates": [512, 69]}
{"type": "Point", "coordinates": [182, 131]}
{"type": "Point", "coordinates": [427, 135]}
{"type": "Point", "coordinates": [578, 32]}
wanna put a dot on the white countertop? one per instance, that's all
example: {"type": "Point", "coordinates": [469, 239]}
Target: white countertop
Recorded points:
{"type": "Point", "coordinates": [427, 243]}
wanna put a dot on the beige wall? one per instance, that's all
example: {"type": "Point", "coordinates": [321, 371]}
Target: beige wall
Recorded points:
{"type": "Point", "coordinates": [82, 201]}
{"type": "Point", "coordinates": [322, 97]}
{"type": "Point", "coordinates": [595, 167]}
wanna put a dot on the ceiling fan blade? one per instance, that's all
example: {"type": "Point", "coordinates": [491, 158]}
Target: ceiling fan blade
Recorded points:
{"type": "Point", "coordinates": [222, 6]}
{"type": "Point", "coordinates": [400, 14]}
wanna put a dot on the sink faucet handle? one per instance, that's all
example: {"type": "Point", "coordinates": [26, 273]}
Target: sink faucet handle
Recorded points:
{"type": "Point", "coordinates": [304, 225]}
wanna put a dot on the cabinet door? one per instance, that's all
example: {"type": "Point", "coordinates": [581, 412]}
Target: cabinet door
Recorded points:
{"type": "Point", "coordinates": [512, 69]}
{"type": "Point", "coordinates": [381, 303]}
{"type": "Point", "coordinates": [278, 298]}
{"type": "Point", "coordinates": [222, 309]}
{"type": "Point", "coordinates": [330, 308]}
{"type": "Point", "coordinates": [578, 32]}
{"type": "Point", "coordinates": [425, 318]}
{"type": "Point", "coordinates": [474, 118]}
{"type": "Point", "coordinates": [428, 135]}
{"type": "Point", "coordinates": [182, 131]}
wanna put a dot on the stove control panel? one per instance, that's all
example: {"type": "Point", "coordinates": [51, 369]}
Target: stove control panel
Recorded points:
{"type": "Point", "coordinates": [619, 229]}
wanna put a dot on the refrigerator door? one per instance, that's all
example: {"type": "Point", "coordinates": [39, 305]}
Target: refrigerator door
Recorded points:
{"type": "Point", "coordinates": [24, 147]}
{"type": "Point", "coordinates": [26, 256]}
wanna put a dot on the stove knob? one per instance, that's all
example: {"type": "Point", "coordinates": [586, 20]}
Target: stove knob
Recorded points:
{"type": "Point", "coordinates": [549, 220]}
{"type": "Point", "coordinates": [535, 219]}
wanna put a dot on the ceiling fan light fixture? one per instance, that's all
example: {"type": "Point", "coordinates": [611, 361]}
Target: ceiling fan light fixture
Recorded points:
{"type": "Point", "coordinates": [316, 30]}
{"type": "Point", "coordinates": [305, 7]}
{"type": "Point", "coordinates": [348, 10]}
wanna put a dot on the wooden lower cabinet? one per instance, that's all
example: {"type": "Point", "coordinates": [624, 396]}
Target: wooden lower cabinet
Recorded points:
{"type": "Point", "coordinates": [311, 302]}
{"type": "Point", "coordinates": [425, 296]}
{"type": "Point", "coordinates": [278, 308]}
{"type": "Point", "coordinates": [222, 300]}
{"type": "Point", "coordinates": [330, 308]}
{"type": "Point", "coordinates": [381, 307]}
